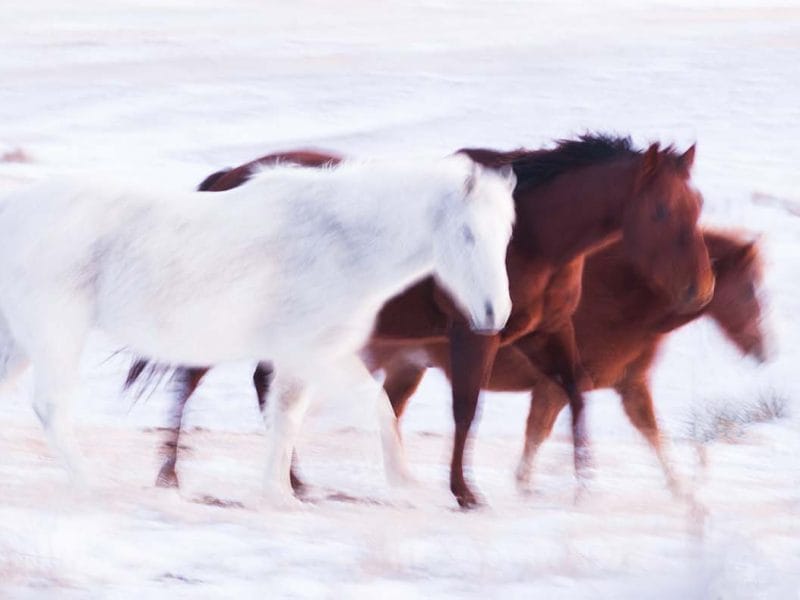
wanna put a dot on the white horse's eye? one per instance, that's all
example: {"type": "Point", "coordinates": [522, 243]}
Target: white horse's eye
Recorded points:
{"type": "Point", "coordinates": [469, 237]}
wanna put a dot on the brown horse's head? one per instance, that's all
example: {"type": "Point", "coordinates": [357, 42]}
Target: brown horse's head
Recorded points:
{"type": "Point", "coordinates": [736, 305]}
{"type": "Point", "coordinates": [660, 233]}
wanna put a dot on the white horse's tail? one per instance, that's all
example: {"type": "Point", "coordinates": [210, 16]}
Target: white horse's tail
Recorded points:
{"type": "Point", "coordinates": [144, 376]}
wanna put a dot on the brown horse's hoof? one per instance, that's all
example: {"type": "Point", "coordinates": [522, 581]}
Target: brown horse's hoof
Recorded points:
{"type": "Point", "coordinates": [167, 478]}
{"type": "Point", "coordinates": [584, 463]}
{"type": "Point", "coordinates": [298, 486]}
{"type": "Point", "coordinates": [465, 498]}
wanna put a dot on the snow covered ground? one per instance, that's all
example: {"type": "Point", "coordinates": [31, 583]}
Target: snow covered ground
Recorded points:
{"type": "Point", "coordinates": [178, 88]}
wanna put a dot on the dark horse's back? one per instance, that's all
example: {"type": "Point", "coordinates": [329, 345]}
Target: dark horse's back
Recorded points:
{"type": "Point", "coordinates": [230, 178]}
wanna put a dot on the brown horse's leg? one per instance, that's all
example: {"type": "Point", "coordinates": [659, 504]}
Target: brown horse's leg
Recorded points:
{"type": "Point", "coordinates": [400, 384]}
{"type": "Point", "coordinates": [564, 350]}
{"type": "Point", "coordinates": [638, 404]}
{"type": "Point", "coordinates": [262, 378]}
{"type": "Point", "coordinates": [547, 401]}
{"type": "Point", "coordinates": [186, 381]}
{"type": "Point", "coordinates": [471, 359]}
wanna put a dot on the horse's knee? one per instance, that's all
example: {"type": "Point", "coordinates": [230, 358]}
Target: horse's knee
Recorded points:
{"type": "Point", "coordinates": [289, 405]}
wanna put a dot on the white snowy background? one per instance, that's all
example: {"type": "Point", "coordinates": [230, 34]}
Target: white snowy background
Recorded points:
{"type": "Point", "coordinates": [175, 89]}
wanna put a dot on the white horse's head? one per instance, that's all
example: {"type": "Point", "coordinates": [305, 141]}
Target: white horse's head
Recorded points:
{"type": "Point", "coordinates": [471, 237]}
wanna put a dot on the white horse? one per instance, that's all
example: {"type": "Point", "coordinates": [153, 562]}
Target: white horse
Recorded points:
{"type": "Point", "coordinates": [292, 267]}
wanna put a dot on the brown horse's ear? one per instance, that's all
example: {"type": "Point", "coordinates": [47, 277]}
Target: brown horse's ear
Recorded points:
{"type": "Point", "coordinates": [650, 162]}
{"type": "Point", "coordinates": [686, 159]}
{"type": "Point", "coordinates": [747, 253]}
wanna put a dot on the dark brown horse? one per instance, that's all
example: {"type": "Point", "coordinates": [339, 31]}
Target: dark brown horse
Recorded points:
{"type": "Point", "coordinates": [569, 201]}
{"type": "Point", "coordinates": [620, 324]}
{"type": "Point", "coordinates": [619, 339]}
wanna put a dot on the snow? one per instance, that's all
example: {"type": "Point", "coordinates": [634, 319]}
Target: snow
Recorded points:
{"type": "Point", "coordinates": [176, 89]}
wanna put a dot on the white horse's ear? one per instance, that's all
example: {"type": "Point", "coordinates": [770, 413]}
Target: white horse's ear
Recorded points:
{"type": "Point", "coordinates": [507, 172]}
{"type": "Point", "coordinates": [472, 179]}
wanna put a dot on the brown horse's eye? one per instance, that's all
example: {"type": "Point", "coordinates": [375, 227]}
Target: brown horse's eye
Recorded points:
{"type": "Point", "coordinates": [749, 292]}
{"type": "Point", "coordinates": [661, 212]}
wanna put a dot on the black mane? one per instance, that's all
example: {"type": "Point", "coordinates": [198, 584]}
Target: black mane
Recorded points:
{"type": "Point", "coordinates": [537, 167]}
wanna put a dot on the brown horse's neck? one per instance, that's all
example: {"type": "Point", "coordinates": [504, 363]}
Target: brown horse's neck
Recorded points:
{"type": "Point", "coordinates": [576, 212]}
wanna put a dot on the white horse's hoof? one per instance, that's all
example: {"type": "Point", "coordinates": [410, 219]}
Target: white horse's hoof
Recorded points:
{"type": "Point", "coordinates": [403, 480]}
{"type": "Point", "coordinates": [279, 499]}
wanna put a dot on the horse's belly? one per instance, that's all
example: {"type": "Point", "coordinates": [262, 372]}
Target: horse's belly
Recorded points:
{"type": "Point", "coordinates": [340, 335]}
{"type": "Point", "coordinates": [239, 310]}
{"type": "Point", "coordinates": [202, 330]}
{"type": "Point", "coordinates": [195, 344]}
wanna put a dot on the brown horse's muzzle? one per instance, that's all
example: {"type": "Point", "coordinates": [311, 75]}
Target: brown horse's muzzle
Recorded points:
{"type": "Point", "coordinates": [753, 343]}
{"type": "Point", "coordinates": [696, 297]}
{"type": "Point", "coordinates": [759, 352]}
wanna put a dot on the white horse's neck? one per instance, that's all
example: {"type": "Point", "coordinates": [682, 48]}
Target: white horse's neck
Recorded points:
{"type": "Point", "coordinates": [400, 248]}
{"type": "Point", "coordinates": [383, 233]}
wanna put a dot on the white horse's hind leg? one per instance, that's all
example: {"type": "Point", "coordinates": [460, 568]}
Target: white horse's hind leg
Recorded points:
{"type": "Point", "coordinates": [55, 350]}
{"type": "Point", "coordinates": [283, 417]}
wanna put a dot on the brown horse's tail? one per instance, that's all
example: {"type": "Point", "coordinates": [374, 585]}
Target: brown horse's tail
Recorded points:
{"type": "Point", "coordinates": [147, 373]}
{"type": "Point", "coordinates": [209, 181]}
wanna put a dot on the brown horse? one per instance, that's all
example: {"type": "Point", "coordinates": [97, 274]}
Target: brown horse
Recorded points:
{"type": "Point", "coordinates": [620, 324]}
{"type": "Point", "coordinates": [569, 201]}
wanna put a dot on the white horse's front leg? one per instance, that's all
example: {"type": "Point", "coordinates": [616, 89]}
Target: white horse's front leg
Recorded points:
{"type": "Point", "coordinates": [395, 463]}
{"type": "Point", "coordinates": [394, 458]}
{"type": "Point", "coordinates": [283, 417]}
